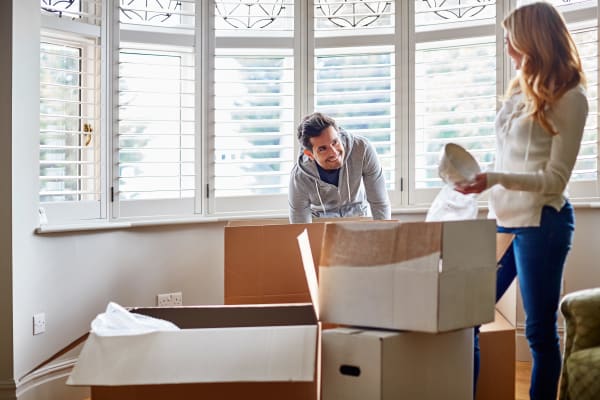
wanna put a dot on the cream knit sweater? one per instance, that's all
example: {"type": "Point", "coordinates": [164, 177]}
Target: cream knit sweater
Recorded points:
{"type": "Point", "coordinates": [532, 167]}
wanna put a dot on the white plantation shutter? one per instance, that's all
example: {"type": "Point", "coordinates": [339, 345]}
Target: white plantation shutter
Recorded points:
{"type": "Point", "coordinates": [586, 168]}
{"type": "Point", "coordinates": [357, 89]}
{"type": "Point", "coordinates": [455, 87]}
{"type": "Point", "coordinates": [253, 124]}
{"type": "Point", "coordinates": [455, 101]}
{"type": "Point", "coordinates": [357, 84]}
{"type": "Point", "coordinates": [155, 124]}
{"type": "Point", "coordinates": [252, 140]}
{"type": "Point", "coordinates": [70, 115]}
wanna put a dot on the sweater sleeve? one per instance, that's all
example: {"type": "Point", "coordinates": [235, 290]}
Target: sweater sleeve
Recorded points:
{"type": "Point", "coordinates": [374, 182]}
{"type": "Point", "coordinates": [570, 113]}
{"type": "Point", "coordinates": [299, 202]}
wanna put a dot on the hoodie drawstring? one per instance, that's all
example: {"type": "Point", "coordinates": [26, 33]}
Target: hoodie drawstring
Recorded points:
{"type": "Point", "coordinates": [348, 182]}
{"type": "Point", "coordinates": [320, 199]}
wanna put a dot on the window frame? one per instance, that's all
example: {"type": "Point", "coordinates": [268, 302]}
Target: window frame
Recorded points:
{"type": "Point", "coordinates": [304, 46]}
{"type": "Point", "coordinates": [83, 35]}
{"type": "Point", "coordinates": [251, 204]}
{"type": "Point", "coordinates": [144, 37]}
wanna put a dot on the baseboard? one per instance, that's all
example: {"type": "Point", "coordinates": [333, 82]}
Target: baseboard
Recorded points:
{"type": "Point", "coordinates": [8, 390]}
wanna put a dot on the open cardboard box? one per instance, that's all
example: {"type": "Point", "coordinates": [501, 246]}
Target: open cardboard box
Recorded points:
{"type": "Point", "coordinates": [225, 352]}
{"type": "Point", "coordinates": [418, 276]}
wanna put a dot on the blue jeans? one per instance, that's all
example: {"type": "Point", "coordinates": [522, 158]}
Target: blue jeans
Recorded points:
{"type": "Point", "coordinates": [537, 257]}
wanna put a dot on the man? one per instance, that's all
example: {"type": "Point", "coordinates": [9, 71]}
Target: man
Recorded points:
{"type": "Point", "coordinates": [333, 172]}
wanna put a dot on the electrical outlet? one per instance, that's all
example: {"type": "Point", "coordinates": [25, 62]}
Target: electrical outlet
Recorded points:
{"type": "Point", "coordinates": [177, 298]}
{"type": "Point", "coordinates": [169, 299]}
{"type": "Point", "coordinates": [39, 323]}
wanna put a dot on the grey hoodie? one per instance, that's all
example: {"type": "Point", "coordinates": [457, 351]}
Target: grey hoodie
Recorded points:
{"type": "Point", "coordinates": [309, 196]}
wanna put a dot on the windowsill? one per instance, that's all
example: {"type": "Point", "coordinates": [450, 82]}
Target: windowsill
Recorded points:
{"type": "Point", "coordinates": [99, 225]}
{"type": "Point", "coordinates": [117, 225]}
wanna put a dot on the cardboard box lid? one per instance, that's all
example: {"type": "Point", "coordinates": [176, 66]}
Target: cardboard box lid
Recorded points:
{"type": "Point", "coordinates": [309, 270]}
{"type": "Point", "coordinates": [401, 243]}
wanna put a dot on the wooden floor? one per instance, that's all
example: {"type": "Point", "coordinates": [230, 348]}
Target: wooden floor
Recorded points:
{"type": "Point", "coordinates": [523, 375]}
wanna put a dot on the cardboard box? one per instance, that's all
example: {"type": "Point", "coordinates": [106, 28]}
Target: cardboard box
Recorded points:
{"type": "Point", "coordinates": [422, 276]}
{"type": "Point", "coordinates": [497, 360]}
{"type": "Point", "coordinates": [225, 352]}
{"type": "Point", "coordinates": [386, 365]}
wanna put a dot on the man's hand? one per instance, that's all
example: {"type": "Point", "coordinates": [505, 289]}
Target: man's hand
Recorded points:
{"type": "Point", "coordinates": [478, 185]}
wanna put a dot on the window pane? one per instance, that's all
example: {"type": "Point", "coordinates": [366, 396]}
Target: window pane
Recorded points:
{"type": "Point", "coordinates": [357, 88]}
{"type": "Point", "coordinates": [455, 102]}
{"type": "Point", "coordinates": [156, 124]}
{"type": "Point", "coordinates": [254, 122]}
{"type": "Point", "coordinates": [87, 11]}
{"type": "Point", "coordinates": [444, 14]}
{"type": "Point", "coordinates": [353, 17]}
{"type": "Point", "coordinates": [69, 122]}
{"type": "Point", "coordinates": [273, 18]}
{"type": "Point", "coordinates": [172, 15]}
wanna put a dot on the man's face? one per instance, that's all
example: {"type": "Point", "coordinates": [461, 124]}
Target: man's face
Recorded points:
{"type": "Point", "coordinates": [327, 149]}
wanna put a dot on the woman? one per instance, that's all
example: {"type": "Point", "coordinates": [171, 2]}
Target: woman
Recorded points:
{"type": "Point", "coordinates": [539, 130]}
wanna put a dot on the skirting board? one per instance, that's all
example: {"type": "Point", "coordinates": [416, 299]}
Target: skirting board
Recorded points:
{"type": "Point", "coordinates": [8, 390]}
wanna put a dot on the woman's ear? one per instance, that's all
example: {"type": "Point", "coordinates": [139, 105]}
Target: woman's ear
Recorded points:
{"type": "Point", "coordinates": [309, 154]}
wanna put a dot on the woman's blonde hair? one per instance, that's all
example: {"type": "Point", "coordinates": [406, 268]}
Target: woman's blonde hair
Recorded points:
{"type": "Point", "coordinates": [550, 65]}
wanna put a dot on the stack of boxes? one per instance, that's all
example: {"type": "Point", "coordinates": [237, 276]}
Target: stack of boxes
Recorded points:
{"type": "Point", "coordinates": [408, 295]}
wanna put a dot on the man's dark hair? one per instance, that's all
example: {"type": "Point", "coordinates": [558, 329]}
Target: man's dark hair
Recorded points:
{"type": "Point", "coordinates": [311, 126]}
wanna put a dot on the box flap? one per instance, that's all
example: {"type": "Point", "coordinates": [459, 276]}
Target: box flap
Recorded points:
{"type": "Point", "coordinates": [370, 244]}
{"type": "Point", "coordinates": [309, 270]}
{"type": "Point", "coordinates": [262, 264]}
{"type": "Point", "coordinates": [253, 354]}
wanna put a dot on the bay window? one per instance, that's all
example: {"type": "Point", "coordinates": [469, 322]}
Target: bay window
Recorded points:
{"type": "Point", "coordinates": [176, 109]}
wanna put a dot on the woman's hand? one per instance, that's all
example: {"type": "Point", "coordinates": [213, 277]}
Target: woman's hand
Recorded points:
{"type": "Point", "coordinates": [478, 185]}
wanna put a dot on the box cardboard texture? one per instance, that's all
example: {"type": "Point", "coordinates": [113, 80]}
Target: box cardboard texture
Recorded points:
{"type": "Point", "coordinates": [497, 342]}
{"type": "Point", "coordinates": [422, 276]}
{"type": "Point", "coordinates": [363, 364]}
{"type": "Point", "coordinates": [263, 263]}
{"type": "Point", "coordinates": [225, 352]}
{"type": "Point", "coordinates": [497, 360]}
